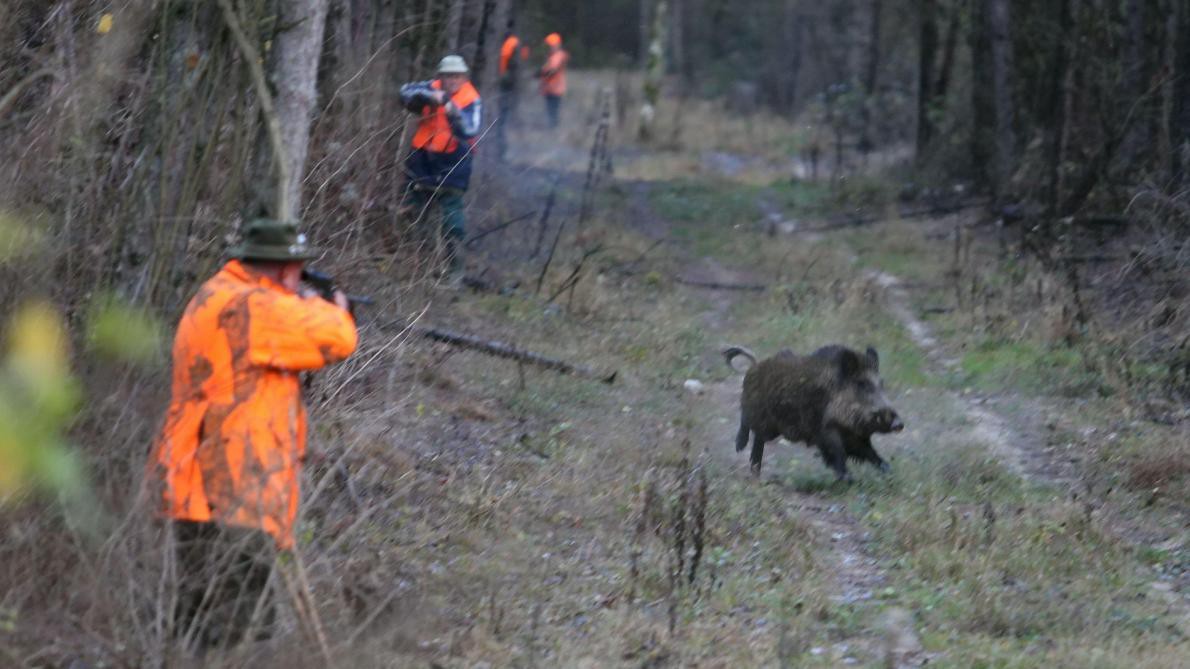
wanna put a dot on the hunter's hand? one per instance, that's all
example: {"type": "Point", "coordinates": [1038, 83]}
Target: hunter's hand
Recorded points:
{"type": "Point", "coordinates": [341, 300]}
{"type": "Point", "coordinates": [439, 97]}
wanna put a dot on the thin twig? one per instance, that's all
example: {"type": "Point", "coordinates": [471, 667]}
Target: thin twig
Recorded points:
{"type": "Point", "coordinates": [499, 227]}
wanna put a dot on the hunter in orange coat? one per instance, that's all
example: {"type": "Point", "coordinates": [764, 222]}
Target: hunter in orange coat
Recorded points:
{"type": "Point", "coordinates": [235, 432]}
{"type": "Point", "coordinates": [553, 77]}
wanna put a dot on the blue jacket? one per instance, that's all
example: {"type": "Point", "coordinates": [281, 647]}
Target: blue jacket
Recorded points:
{"type": "Point", "coordinates": [433, 169]}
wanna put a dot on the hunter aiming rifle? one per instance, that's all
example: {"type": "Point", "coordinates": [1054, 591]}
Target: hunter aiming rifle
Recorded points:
{"type": "Point", "coordinates": [325, 285]}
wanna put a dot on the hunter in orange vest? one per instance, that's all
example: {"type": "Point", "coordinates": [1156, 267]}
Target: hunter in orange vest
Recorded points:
{"type": "Point", "coordinates": [510, 70]}
{"type": "Point", "coordinates": [228, 460]}
{"type": "Point", "coordinates": [439, 167]}
{"type": "Point", "coordinates": [553, 77]}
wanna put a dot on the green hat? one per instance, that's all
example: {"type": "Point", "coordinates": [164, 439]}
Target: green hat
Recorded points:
{"type": "Point", "coordinates": [266, 239]}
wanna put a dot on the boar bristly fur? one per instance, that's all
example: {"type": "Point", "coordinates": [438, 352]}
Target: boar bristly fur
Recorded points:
{"type": "Point", "coordinates": [832, 399]}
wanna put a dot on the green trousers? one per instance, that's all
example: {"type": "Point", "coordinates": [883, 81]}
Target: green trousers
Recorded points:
{"type": "Point", "coordinates": [449, 202]}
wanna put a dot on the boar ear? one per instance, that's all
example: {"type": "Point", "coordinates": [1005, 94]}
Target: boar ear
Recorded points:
{"type": "Point", "coordinates": [849, 363]}
{"type": "Point", "coordinates": [873, 359]}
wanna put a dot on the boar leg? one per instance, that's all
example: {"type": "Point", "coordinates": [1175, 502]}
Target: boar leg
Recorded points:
{"type": "Point", "coordinates": [741, 437]}
{"type": "Point", "coordinates": [861, 449]}
{"type": "Point", "coordinates": [830, 444]}
{"type": "Point", "coordinates": [757, 452]}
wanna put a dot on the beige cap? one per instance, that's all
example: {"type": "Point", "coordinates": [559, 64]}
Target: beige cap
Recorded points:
{"type": "Point", "coordinates": [453, 65]}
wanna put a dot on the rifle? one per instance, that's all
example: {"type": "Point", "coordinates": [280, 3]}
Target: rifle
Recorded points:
{"type": "Point", "coordinates": [325, 285]}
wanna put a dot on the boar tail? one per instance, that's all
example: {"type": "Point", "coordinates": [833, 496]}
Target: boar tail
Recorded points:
{"type": "Point", "coordinates": [731, 352]}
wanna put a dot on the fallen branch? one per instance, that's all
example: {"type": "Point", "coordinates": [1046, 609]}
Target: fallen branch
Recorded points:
{"type": "Point", "coordinates": [503, 350]}
{"type": "Point", "coordinates": [714, 285]}
{"type": "Point", "coordinates": [575, 275]}
{"type": "Point", "coordinates": [498, 228]}
{"type": "Point", "coordinates": [905, 212]}
{"type": "Point", "coordinates": [630, 266]}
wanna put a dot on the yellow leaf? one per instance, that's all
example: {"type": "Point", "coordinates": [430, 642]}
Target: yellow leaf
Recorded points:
{"type": "Point", "coordinates": [105, 24]}
{"type": "Point", "coordinates": [37, 342]}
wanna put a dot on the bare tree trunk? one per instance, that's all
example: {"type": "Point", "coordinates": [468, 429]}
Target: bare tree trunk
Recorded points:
{"type": "Point", "coordinates": [928, 46]}
{"type": "Point", "coordinates": [646, 31]}
{"type": "Point", "coordinates": [677, 40]}
{"type": "Point", "coordinates": [654, 71]}
{"type": "Point", "coordinates": [983, 119]}
{"type": "Point", "coordinates": [1003, 102]}
{"type": "Point", "coordinates": [478, 51]}
{"type": "Point", "coordinates": [454, 22]}
{"type": "Point", "coordinates": [794, 72]}
{"type": "Point", "coordinates": [486, 69]}
{"type": "Point", "coordinates": [948, 50]}
{"type": "Point", "coordinates": [1135, 79]}
{"type": "Point", "coordinates": [876, 8]}
{"type": "Point", "coordinates": [296, 51]}
{"type": "Point", "coordinates": [994, 139]}
{"type": "Point", "coordinates": [1059, 91]}
{"type": "Point", "coordinates": [1180, 115]}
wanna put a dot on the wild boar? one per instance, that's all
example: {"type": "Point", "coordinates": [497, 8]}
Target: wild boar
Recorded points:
{"type": "Point", "coordinates": [833, 399]}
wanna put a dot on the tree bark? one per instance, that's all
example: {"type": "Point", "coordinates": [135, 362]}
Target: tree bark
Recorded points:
{"type": "Point", "coordinates": [646, 31]}
{"type": "Point", "coordinates": [938, 93]}
{"type": "Point", "coordinates": [1059, 92]}
{"type": "Point", "coordinates": [983, 119]}
{"type": "Point", "coordinates": [296, 51]}
{"type": "Point", "coordinates": [1135, 79]}
{"type": "Point", "coordinates": [795, 60]}
{"type": "Point", "coordinates": [875, 9]}
{"type": "Point", "coordinates": [654, 71]}
{"type": "Point", "coordinates": [454, 23]}
{"type": "Point", "coordinates": [1003, 99]}
{"type": "Point", "coordinates": [993, 147]}
{"type": "Point", "coordinates": [1180, 116]}
{"type": "Point", "coordinates": [928, 47]}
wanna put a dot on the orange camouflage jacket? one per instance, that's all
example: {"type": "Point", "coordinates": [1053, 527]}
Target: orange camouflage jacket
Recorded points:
{"type": "Point", "coordinates": [235, 431]}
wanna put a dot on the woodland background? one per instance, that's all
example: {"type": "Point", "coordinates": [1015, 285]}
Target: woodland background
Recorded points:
{"type": "Point", "coordinates": [135, 141]}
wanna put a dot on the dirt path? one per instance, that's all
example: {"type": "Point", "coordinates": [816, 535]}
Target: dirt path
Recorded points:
{"type": "Point", "coordinates": [1019, 443]}
{"type": "Point", "coordinates": [987, 426]}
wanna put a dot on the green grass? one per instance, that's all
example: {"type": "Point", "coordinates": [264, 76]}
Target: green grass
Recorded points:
{"type": "Point", "coordinates": [986, 559]}
{"type": "Point", "coordinates": [1025, 366]}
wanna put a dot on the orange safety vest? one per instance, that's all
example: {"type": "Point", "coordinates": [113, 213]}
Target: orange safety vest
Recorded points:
{"type": "Point", "coordinates": [433, 130]}
{"type": "Point", "coordinates": [553, 79]}
{"type": "Point", "coordinates": [507, 52]}
{"type": "Point", "coordinates": [235, 431]}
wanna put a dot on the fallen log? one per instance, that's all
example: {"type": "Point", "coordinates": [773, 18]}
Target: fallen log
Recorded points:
{"type": "Point", "coordinates": [503, 350]}
{"type": "Point", "coordinates": [855, 220]}
{"type": "Point", "coordinates": [715, 285]}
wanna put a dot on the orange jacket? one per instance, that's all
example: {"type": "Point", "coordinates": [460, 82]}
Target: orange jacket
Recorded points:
{"type": "Point", "coordinates": [433, 129]}
{"type": "Point", "coordinates": [235, 432]}
{"type": "Point", "coordinates": [553, 73]}
{"type": "Point", "coordinates": [507, 52]}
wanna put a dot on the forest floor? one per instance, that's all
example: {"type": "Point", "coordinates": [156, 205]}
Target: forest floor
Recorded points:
{"type": "Point", "coordinates": [502, 515]}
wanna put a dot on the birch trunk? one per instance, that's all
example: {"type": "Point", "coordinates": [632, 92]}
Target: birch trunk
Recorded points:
{"type": "Point", "coordinates": [654, 71]}
{"type": "Point", "coordinates": [295, 78]}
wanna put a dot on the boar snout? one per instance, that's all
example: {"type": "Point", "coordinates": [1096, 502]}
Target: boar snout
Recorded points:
{"type": "Point", "coordinates": [889, 421]}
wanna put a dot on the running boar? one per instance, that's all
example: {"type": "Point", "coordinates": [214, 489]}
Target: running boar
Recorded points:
{"type": "Point", "coordinates": [833, 399]}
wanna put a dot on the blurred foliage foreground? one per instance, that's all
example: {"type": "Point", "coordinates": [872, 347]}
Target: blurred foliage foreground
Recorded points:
{"type": "Point", "coordinates": [40, 396]}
